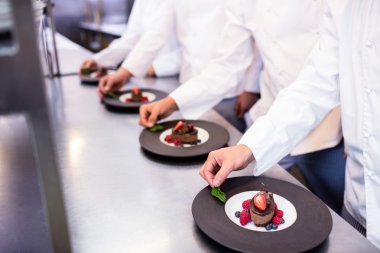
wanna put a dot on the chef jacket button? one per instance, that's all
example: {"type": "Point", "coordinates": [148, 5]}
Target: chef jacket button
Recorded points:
{"type": "Point", "coordinates": [369, 44]}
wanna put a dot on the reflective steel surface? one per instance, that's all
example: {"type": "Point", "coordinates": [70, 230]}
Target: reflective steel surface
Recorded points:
{"type": "Point", "coordinates": [119, 199]}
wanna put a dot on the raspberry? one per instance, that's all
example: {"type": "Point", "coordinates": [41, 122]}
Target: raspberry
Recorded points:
{"type": "Point", "coordinates": [168, 138]}
{"type": "Point", "coordinates": [276, 220]}
{"type": "Point", "coordinates": [245, 204]}
{"type": "Point", "coordinates": [275, 207]}
{"type": "Point", "coordinates": [245, 217]}
{"type": "Point", "coordinates": [177, 142]}
{"type": "Point", "coordinates": [279, 213]}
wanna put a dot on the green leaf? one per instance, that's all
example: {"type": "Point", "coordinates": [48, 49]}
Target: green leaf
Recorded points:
{"type": "Point", "coordinates": [217, 193]}
{"type": "Point", "coordinates": [86, 72]}
{"type": "Point", "coordinates": [111, 95]}
{"type": "Point", "coordinates": [156, 128]}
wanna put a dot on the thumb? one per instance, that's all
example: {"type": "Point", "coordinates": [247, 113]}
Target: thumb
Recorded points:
{"type": "Point", "coordinates": [108, 85]}
{"type": "Point", "coordinates": [152, 118]}
{"type": "Point", "coordinates": [222, 174]}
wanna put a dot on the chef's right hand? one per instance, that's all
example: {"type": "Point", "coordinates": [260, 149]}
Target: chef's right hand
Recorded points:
{"type": "Point", "coordinates": [150, 113]}
{"type": "Point", "coordinates": [89, 64]}
{"type": "Point", "coordinates": [113, 82]}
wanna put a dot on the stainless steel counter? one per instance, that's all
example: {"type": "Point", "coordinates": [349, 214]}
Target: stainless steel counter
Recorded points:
{"type": "Point", "coordinates": [119, 199]}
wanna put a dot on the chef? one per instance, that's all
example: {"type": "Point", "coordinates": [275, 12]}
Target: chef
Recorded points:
{"type": "Point", "coordinates": [285, 35]}
{"type": "Point", "coordinates": [168, 60]}
{"type": "Point", "coordinates": [198, 26]}
{"type": "Point", "coordinates": [343, 70]}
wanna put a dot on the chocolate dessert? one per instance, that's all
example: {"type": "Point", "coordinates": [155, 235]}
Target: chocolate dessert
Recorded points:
{"type": "Point", "coordinates": [185, 133]}
{"type": "Point", "coordinates": [262, 208]}
{"type": "Point", "coordinates": [137, 96]}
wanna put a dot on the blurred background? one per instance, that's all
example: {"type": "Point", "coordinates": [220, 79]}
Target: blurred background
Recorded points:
{"type": "Point", "coordinates": [92, 23]}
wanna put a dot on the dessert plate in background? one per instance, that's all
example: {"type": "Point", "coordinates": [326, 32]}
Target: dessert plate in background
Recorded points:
{"type": "Point", "coordinates": [94, 77]}
{"type": "Point", "coordinates": [212, 136]}
{"type": "Point", "coordinates": [119, 100]}
{"type": "Point", "coordinates": [311, 220]}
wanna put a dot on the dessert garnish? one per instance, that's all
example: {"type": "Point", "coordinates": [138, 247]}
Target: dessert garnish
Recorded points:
{"type": "Point", "coordinates": [183, 133]}
{"type": "Point", "coordinates": [219, 194]}
{"type": "Point", "coordinates": [156, 128]}
{"type": "Point", "coordinates": [111, 95]}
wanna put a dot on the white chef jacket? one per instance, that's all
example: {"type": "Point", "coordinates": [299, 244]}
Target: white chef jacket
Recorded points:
{"type": "Point", "coordinates": [343, 69]}
{"type": "Point", "coordinates": [198, 27]}
{"type": "Point", "coordinates": [168, 60]}
{"type": "Point", "coordinates": [284, 34]}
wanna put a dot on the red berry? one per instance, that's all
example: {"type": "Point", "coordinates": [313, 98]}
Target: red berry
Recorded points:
{"type": "Point", "coordinates": [260, 202]}
{"type": "Point", "coordinates": [178, 126]}
{"type": "Point", "coordinates": [276, 220]}
{"type": "Point", "coordinates": [275, 207]}
{"type": "Point", "coordinates": [245, 217]}
{"type": "Point", "coordinates": [245, 204]}
{"type": "Point", "coordinates": [279, 213]}
{"type": "Point", "coordinates": [177, 142]}
{"type": "Point", "coordinates": [168, 138]}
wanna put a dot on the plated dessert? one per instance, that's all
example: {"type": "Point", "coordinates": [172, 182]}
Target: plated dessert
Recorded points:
{"type": "Point", "coordinates": [307, 220]}
{"type": "Point", "coordinates": [94, 73]}
{"type": "Point", "coordinates": [183, 133]}
{"type": "Point", "coordinates": [137, 96]}
{"type": "Point", "coordinates": [262, 211]}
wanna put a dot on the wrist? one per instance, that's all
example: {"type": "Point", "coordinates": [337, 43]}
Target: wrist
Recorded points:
{"type": "Point", "coordinates": [172, 105]}
{"type": "Point", "coordinates": [246, 153]}
{"type": "Point", "coordinates": [124, 74]}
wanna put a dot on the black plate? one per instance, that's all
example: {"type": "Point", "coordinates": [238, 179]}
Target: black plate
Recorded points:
{"type": "Point", "coordinates": [312, 226]}
{"type": "Point", "coordinates": [117, 104]}
{"type": "Point", "coordinates": [218, 137]}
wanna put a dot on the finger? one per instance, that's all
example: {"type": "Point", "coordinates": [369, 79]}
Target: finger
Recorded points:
{"type": "Point", "coordinates": [222, 174]}
{"type": "Point", "coordinates": [207, 171]}
{"type": "Point", "coordinates": [152, 118]}
{"type": "Point", "coordinates": [236, 107]}
{"type": "Point", "coordinates": [240, 113]}
{"type": "Point", "coordinates": [144, 114]}
{"type": "Point", "coordinates": [102, 83]}
{"type": "Point", "coordinates": [109, 84]}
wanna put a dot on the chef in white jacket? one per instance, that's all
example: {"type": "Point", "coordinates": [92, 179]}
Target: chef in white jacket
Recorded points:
{"type": "Point", "coordinates": [285, 35]}
{"type": "Point", "coordinates": [142, 18]}
{"type": "Point", "coordinates": [198, 26]}
{"type": "Point", "coordinates": [344, 70]}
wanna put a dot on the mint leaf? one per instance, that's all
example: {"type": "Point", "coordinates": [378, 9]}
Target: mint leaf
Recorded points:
{"type": "Point", "coordinates": [217, 193]}
{"type": "Point", "coordinates": [156, 128]}
{"type": "Point", "coordinates": [111, 95]}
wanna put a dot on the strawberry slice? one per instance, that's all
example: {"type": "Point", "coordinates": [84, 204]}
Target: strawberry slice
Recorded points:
{"type": "Point", "coordinates": [178, 126]}
{"type": "Point", "coordinates": [260, 202]}
{"type": "Point", "coordinates": [135, 90]}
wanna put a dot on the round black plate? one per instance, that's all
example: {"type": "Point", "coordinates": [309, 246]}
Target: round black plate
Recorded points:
{"type": "Point", "coordinates": [116, 103]}
{"type": "Point", "coordinates": [312, 227]}
{"type": "Point", "coordinates": [218, 138]}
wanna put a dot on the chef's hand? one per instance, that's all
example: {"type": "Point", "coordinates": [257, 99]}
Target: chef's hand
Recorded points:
{"type": "Point", "coordinates": [89, 64]}
{"type": "Point", "coordinates": [220, 163]}
{"type": "Point", "coordinates": [113, 82]}
{"type": "Point", "coordinates": [244, 102]}
{"type": "Point", "coordinates": [150, 113]}
{"type": "Point", "coordinates": [151, 72]}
